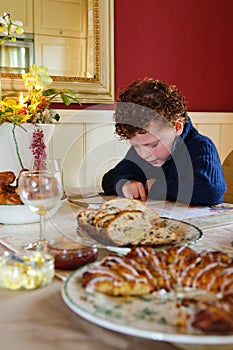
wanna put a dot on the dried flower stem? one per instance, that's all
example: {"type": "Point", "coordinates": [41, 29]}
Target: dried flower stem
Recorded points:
{"type": "Point", "coordinates": [38, 148]}
{"type": "Point", "coordinates": [16, 147]}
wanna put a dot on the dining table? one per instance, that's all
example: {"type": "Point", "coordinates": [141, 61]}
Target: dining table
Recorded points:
{"type": "Point", "coordinates": [40, 319]}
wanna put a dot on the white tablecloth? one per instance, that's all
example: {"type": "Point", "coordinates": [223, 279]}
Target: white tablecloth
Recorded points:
{"type": "Point", "coordinates": [39, 319]}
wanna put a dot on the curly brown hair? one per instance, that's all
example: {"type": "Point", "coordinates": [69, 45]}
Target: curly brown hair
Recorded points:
{"type": "Point", "coordinates": [147, 100]}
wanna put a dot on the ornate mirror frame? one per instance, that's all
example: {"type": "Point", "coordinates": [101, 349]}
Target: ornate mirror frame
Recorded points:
{"type": "Point", "coordinates": [100, 88]}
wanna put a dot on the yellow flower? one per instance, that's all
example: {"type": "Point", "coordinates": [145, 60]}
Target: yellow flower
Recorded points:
{"type": "Point", "coordinates": [9, 26]}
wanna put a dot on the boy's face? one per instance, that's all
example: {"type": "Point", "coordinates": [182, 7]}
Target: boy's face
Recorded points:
{"type": "Point", "coordinates": [156, 145]}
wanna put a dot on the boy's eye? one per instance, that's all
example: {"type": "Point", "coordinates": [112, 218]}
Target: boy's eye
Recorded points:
{"type": "Point", "coordinates": [153, 145]}
{"type": "Point", "coordinates": [138, 146]}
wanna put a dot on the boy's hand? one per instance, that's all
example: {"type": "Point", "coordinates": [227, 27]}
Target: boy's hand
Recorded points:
{"type": "Point", "coordinates": [149, 184]}
{"type": "Point", "coordinates": [135, 190]}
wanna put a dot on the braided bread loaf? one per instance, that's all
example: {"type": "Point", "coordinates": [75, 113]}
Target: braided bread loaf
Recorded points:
{"type": "Point", "coordinates": [173, 268]}
{"type": "Point", "coordinates": [145, 270]}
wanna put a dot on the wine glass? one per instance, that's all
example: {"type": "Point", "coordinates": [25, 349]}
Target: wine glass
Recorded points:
{"type": "Point", "coordinates": [41, 190]}
{"type": "Point", "coordinates": [53, 164]}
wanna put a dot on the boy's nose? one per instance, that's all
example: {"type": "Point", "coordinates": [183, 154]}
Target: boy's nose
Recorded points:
{"type": "Point", "coordinates": [145, 152]}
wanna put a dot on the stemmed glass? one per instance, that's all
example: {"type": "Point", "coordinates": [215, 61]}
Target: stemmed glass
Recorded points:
{"type": "Point", "coordinates": [53, 164]}
{"type": "Point", "coordinates": [41, 190]}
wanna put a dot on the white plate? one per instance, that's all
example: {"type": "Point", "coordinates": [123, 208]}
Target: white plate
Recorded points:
{"type": "Point", "coordinates": [141, 316]}
{"type": "Point", "coordinates": [21, 214]}
{"type": "Point", "coordinates": [186, 234]}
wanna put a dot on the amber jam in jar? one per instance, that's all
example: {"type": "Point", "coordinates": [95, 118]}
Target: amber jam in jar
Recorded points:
{"type": "Point", "coordinates": [69, 255]}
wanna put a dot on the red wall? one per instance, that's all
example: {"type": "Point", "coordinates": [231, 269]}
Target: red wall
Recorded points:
{"type": "Point", "coordinates": [188, 43]}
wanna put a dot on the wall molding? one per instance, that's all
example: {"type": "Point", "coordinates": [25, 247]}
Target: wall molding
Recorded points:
{"type": "Point", "coordinates": [93, 116]}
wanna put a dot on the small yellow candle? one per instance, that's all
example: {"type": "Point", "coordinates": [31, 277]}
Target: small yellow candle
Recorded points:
{"type": "Point", "coordinates": [21, 99]}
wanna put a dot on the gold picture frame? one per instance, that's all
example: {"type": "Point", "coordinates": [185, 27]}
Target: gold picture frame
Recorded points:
{"type": "Point", "coordinates": [100, 87]}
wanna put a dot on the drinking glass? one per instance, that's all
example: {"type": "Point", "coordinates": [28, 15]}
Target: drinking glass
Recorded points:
{"type": "Point", "coordinates": [41, 190]}
{"type": "Point", "coordinates": [53, 164]}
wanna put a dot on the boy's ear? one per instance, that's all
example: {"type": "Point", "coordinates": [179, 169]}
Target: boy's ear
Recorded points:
{"type": "Point", "coordinates": [179, 126]}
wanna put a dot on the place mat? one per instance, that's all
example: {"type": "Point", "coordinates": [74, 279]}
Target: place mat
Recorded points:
{"type": "Point", "coordinates": [201, 216]}
{"type": "Point", "coordinates": [219, 218]}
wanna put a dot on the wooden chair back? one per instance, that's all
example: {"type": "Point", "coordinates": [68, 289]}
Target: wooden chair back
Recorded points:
{"type": "Point", "coordinates": [228, 174]}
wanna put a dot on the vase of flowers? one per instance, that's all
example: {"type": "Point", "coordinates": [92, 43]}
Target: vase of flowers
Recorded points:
{"type": "Point", "coordinates": [27, 122]}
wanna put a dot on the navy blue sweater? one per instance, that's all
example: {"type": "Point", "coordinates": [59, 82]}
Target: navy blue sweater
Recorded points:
{"type": "Point", "coordinates": [193, 174]}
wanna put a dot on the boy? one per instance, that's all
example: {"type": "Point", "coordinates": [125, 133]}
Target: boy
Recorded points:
{"type": "Point", "coordinates": [168, 158]}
